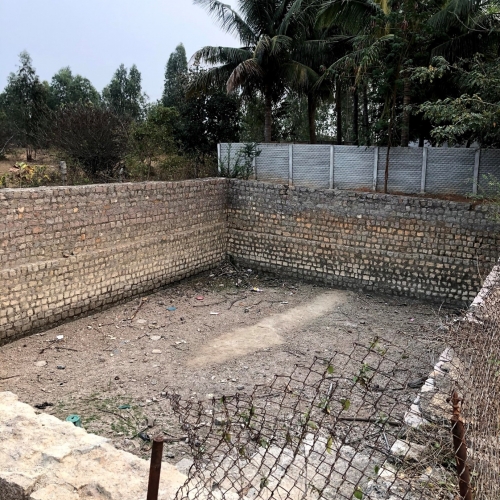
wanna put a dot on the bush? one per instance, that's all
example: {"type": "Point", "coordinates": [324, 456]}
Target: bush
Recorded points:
{"type": "Point", "coordinates": [25, 175]}
{"type": "Point", "coordinates": [94, 137]}
{"type": "Point", "coordinates": [241, 166]}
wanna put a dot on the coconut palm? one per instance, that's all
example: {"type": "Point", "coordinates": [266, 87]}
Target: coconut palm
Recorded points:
{"type": "Point", "coordinates": [263, 63]}
{"type": "Point", "coordinates": [316, 50]}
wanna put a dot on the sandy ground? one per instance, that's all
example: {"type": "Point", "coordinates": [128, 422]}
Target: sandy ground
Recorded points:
{"type": "Point", "coordinates": [218, 333]}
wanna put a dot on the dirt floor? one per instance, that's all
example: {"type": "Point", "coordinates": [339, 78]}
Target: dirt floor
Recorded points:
{"type": "Point", "coordinates": [218, 333]}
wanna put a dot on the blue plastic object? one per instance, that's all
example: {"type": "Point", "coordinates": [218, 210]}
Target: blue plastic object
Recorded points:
{"type": "Point", "coordinates": [75, 420]}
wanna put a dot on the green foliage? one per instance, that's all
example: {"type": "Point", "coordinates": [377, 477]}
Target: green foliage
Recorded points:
{"type": "Point", "coordinates": [27, 175]}
{"type": "Point", "coordinates": [475, 114]}
{"type": "Point", "coordinates": [175, 70]}
{"type": "Point", "coordinates": [124, 94]}
{"type": "Point", "coordinates": [66, 88]}
{"type": "Point", "coordinates": [205, 120]}
{"type": "Point", "coordinates": [152, 139]}
{"type": "Point", "coordinates": [263, 63]}
{"type": "Point", "coordinates": [358, 493]}
{"type": "Point", "coordinates": [363, 377]}
{"type": "Point", "coordinates": [241, 166]}
{"type": "Point", "coordinates": [346, 404]}
{"type": "Point", "coordinates": [24, 105]}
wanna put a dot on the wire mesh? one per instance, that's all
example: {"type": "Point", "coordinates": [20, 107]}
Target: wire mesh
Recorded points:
{"type": "Point", "coordinates": [372, 423]}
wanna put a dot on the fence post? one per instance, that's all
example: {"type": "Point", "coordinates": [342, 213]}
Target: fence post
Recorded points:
{"type": "Point", "coordinates": [155, 468]}
{"type": "Point", "coordinates": [254, 165]}
{"type": "Point", "coordinates": [331, 167]}
{"type": "Point", "coordinates": [460, 448]}
{"type": "Point", "coordinates": [424, 170]}
{"type": "Point", "coordinates": [64, 171]}
{"type": "Point", "coordinates": [375, 168]}
{"type": "Point", "coordinates": [477, 159]}
{"type": "Point", "coordinates": [290, 164]}
{"type": "Point", "coordinates": [218, 159]}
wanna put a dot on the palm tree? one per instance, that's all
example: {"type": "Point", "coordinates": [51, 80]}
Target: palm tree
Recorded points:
{"type": "Point", "coordinates": [263, 63]}
{"type": "Point", "coordinates": [374, 25]}
{"type": "Point", "coordinates": [316, 51]}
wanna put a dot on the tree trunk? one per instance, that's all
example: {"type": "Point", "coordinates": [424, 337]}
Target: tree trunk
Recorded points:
{"type": "Point", "coordinates": [389, 137]}
{"type": "Point", "coordinates": [355, 116]}
{"type": "Point", "coordinates": [338, 110]}
{"type": "Point", "coordinates": [311, 112]}
{"type": "Point", "coordinates": [366, 125]}
{"type": "Point", "coordinates": [268, 116]}
{"type": "Point", "coordinates": [405, 132]}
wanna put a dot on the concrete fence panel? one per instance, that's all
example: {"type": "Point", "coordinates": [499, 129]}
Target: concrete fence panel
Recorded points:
{"type": "Point", "coordinates": [461, 171]}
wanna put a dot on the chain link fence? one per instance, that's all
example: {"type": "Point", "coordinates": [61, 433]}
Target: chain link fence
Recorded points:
{"type": "Point", "coordinates": [363, 424]}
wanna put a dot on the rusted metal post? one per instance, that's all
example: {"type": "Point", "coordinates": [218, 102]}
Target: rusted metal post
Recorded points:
{"type": "Point", "coordinates": [460, 449]}
{"type": "Point", "coordinates": [155, 468]}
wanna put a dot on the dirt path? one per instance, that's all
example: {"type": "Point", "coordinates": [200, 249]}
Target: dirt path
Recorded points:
{"type": "Point", "coordinates": [267, 332]}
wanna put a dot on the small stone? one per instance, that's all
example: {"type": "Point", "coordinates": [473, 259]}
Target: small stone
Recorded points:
{"type": "Point", "coordinates": [141, 321]}
{"type": "Point", "coordinates": [41, 363]}
{"type": "Point", "coordinates": [61, 367]}
{"type": "Point", "coordinates": [153, 382]}
{"type": "Point", "coordinates": [407, 451]}
{"type": "Point", "coordinates": [169, 454]}
{"type": "Point", "coordinates": [155, 337]}
{"type": "Point", "coordinates": [240, 387]}
{"type": "Point", "coordinates": [184, 465]}
{"type": "Point", "coordinates": [156, 351]}
{"type": "Point", "coordinates": [151, 422]}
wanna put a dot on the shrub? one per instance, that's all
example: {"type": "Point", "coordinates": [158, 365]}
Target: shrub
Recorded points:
{"type": "Point", "coordinates": [94, 137]}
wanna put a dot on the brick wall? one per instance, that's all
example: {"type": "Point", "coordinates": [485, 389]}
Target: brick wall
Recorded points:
{"type": "Point", "coordinates": [68, 250]}
{"type": "Point", "coordinates": [426, 248]}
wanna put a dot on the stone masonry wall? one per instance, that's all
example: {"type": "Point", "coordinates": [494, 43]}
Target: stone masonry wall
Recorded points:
{"type": "Point", "coordinates": [426, 248]}
{"type": "Point", "coordinates": [68, 250]}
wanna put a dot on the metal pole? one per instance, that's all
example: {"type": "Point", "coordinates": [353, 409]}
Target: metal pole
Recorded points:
{"type": "Point", "coordinates": [460, 448]}
{"type": "Point", "coordinates": [155, 468]}
{"type": "Point", "coordinates": [290, 164]}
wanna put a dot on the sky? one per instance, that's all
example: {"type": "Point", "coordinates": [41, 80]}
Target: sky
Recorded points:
{"type": "Point", "coordinates": [94, 37]}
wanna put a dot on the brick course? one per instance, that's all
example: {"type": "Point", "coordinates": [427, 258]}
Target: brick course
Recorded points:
{"type": "Point", "coordinates": [65, 251]}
